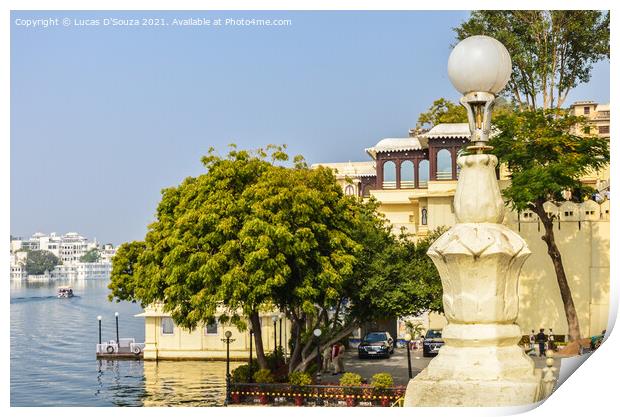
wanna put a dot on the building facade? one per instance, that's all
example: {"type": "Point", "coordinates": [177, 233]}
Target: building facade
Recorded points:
{"type": "Point", "coordinates": [69, 249]}
{"type": "Point", "coordinates": [163, 339]}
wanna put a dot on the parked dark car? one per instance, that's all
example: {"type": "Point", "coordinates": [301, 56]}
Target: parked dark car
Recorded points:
{"type": "Point", "coordinates": [376, 344]}
{"type": "Point", "coordinates": [432, 342]}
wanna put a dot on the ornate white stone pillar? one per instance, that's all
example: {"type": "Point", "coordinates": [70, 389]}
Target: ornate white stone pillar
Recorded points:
{"type": "Point", "coordinates": [479, 261]}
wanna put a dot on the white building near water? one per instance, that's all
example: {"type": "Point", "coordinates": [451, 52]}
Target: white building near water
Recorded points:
{"type": "Point", "coordinates": [69, 248]}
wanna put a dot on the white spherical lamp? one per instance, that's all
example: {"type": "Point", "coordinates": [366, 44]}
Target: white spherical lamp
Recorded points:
{"type": "Point", "coordinates": [317, 332]}
{"type": "Point", "coordinates": [479, 64]}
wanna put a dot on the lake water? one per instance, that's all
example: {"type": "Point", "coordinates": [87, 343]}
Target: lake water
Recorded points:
{"type": "Point", "coordinates": [53, 354]}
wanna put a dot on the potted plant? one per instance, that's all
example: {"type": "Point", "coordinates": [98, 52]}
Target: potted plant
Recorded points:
{"type": "Point", "coordinates": [263, 376]}
{"type": "Point", "coordinates": [381, 383]}
{"type": "Point", "coordinates": [298, 381]}
{"type": "Point", "coordinates": [348, 380]}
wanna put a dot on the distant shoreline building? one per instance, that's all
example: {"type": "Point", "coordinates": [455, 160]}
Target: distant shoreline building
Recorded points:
{"type": "Point", "coordinates": [69, 249]}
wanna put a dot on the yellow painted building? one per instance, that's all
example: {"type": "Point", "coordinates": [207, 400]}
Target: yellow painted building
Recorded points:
{"type": "Point", "coordinates": [415, 180]}
{"type": "Point", "coordinates": [163, 339]}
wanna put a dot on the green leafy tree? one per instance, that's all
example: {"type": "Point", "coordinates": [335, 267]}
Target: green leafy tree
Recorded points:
{"type": "Point", "coordinates": [244, 237]}
{"type": "Point", "coordinates": [544, 159]}
{"type": "Point", "coordinates": [39, 261]}
{"type": "Point", "coordinates": [445, 111]}
{"type": "Point", "coordinates": [552, 51]}
{"type": "Point", "coordinates": [442, 111]}
{"type": "Point", "coordinates": [92, 255]}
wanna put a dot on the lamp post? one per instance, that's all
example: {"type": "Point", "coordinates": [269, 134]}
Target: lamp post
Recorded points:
{"type": "Point", "coordinates": [99, 319]}
{"type": "Point", "coordinates": [250, 361]}
{"type": "Point", "coordinates": [117, 338]}
{"type": "Point", "coordinates": [317, 333]}
{"type": "Point", "coordinates": [479, 260]}
{"type": "Point", "coordinates": [275, 333]}
{"type": "Point", "coordinates": [228, 341]}
{"type": "Point", "coordinates": [408, 341]}
{"type": "Point", "coordinates": [281, 316]}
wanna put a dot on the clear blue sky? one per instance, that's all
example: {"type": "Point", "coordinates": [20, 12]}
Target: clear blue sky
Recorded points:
{"type": "Point", "coordinates": [102, 118]}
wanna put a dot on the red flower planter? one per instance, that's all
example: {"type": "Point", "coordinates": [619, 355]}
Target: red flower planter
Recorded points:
{"type": "Point", "coordinates": [299, 401]}
{"type": "Point", "coordinates": [264, 399]}
{"type": "Point", "coordinates": [236, 398]}
{"type": "Point", "coordinates": [385, 402]}
{"type": "Point", "coordinates": [351, 401]}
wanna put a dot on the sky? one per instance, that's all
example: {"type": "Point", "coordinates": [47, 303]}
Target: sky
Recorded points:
{"type": "Point", "coordinates": [104, 117]}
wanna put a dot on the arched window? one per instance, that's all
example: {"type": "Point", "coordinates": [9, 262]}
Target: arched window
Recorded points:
{"type": "Point", "coordinates": [407, 179]}
{"type": "Point", "coordinates": [444, 165]}
{"type": "Point", "coordinates": [389, 175]}
{"type": "Point", "coordinates": [424, 219]}
{"type": "Point", "coordinates": [423, 173]}
{"type": "Point", "coordinates": [349, 190]}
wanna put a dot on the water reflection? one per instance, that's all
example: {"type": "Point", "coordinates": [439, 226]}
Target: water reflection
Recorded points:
{"type": "Point", "coordinates": [53, 354]}
{"type": "Point", "coordinates": [185, 383]}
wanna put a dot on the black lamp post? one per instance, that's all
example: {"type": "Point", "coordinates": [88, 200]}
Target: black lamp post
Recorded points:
{"type": "Point", "coordinates": [228, 341]}
{"type": "Point", "coordinates": [117, 339]}
{"type": "Point", "coordinates": [408, 340]}
{"type": "Point", "coordinates": [275, 334]}
{"type": "Point", "coordinates": [250, 362]}
{"type": "Point", "coordinates": [99, 319]}
{"type": "Point", "coordinates": [280, 343]}
{"type": "Point", "coordinates": [317, 333]}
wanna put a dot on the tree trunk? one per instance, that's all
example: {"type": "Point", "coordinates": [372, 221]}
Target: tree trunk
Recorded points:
{"type": "Point", "coordinates": [312, 354]}
{"type": "Point", "coordinates": [296, 353]}
{"type": "Point", "coordinates": [574, 332]}
{"type": "Point", "coordinates": [258, 338]}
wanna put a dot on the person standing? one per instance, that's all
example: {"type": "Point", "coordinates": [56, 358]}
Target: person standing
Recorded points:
{"type": "Point", "coordinates": [532, 342]}
{"type": "Point", "coordinates": [551, 340]}
{"type": "Point", "coordinates": [334, 356]}
{"type": "Point", "coordinates": [541, 339]}
{"type": "Point", "coordinates": [340, 357]}
{"type": "Point", "coordinates": [327, 358]}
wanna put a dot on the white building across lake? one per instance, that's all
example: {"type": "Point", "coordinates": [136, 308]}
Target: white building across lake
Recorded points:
{"type": "Point", "coordinates": [70, 250]}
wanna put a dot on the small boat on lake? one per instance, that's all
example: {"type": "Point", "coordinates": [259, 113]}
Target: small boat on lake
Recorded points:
{"type": "Point", "coordinates": [65, 292]}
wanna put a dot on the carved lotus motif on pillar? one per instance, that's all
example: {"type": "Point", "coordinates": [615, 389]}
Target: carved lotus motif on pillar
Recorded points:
{"type": "Point", "coordinates": [479, 268]}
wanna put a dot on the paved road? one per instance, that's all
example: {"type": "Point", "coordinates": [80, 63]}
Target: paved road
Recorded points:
{"type": "Point", "coordinates": [396, 365]}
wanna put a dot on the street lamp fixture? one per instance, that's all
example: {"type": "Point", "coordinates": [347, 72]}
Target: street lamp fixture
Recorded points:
{"type": "Point", "coordinates": [250, 360]}
{"type": "Point", "coordinates": [317, 333]}
{"type": "Point", "coordinates": [228, 341]}
{"type": "Point", "coordinates": [408, 340]}
{"type": "Point", "coordinates": [479, 260]}
{"type": "Point", "coordinates": [117, 338]}
{"type": "Point", "coordinates": [280, 316]}
{"type": "Point", "coordinates": [479, 67]}
{"type": "Point", "coordinates": [274, 318]}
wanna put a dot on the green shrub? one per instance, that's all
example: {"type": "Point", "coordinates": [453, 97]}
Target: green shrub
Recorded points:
{"type": "Point", "coordinates": [312, 368]}
{"type": "Point", "coordinates": [299, 378]}
{"type": "Point", "coordinates": [350, 379]}
{"type": "Point", "coordinates": [382, 381]}
{"type": "Point", "coordinates": [241, 374]}
{"type": "Point", "coordinates": [263, 376]}
{"type": "Point", "coordinates": [275, 360]}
